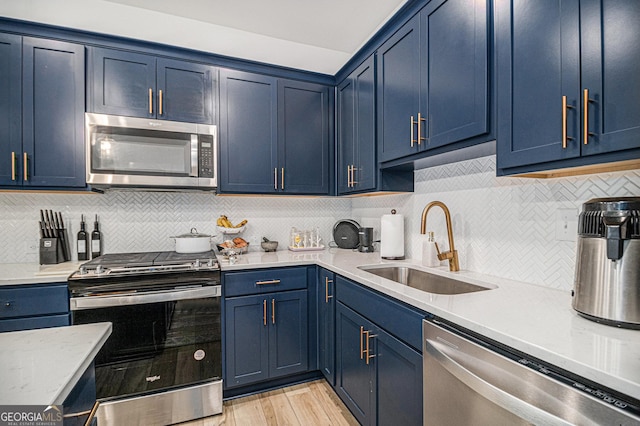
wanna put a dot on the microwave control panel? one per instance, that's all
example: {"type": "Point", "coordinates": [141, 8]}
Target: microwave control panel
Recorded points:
{"type": "Point", "coordinates": [205, 156]}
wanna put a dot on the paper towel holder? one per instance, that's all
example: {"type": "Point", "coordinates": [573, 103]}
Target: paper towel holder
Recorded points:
{"type": "Point", "coordinates": [384, 252]}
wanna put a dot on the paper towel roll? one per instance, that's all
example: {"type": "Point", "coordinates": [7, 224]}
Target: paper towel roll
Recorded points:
{"type": "Point", "coordinates": [392, 236]}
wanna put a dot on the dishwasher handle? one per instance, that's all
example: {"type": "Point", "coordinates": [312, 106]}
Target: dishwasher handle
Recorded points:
{"type": "Point", "coordinates": [528, 412]}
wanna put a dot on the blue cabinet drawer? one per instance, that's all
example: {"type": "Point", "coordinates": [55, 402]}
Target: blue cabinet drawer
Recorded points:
{"type": "Point", "coordinates": [399, 320]}
{"type": "Point", "coordinates": [264, 280]}
{"type": "Point", "coordinates": [17, 301]}
{"type": "Point", "coordinates": [31, 323]}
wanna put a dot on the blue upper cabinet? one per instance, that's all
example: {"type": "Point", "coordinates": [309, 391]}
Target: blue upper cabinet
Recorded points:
{"type": "Point", "coordinates": [303, 138]}
{"type": "Point", "coordinates": [185, 91]}
{"type": "Point", "coordinates": [433, 80]}
{"type": "Point", "coordinates": [399, 92]}
{"type": "Point", "coordinates": [610, 45]}
{"type": "Point", "coordinates": [122, 83]}
{"type": "Point", "coordinates": [10, 109]}
{"type": "Point", "coordinates": [41, 113]}
{"type": "Point", "coordinates": [248, 133]}
{"type": "Point", "coordinates": [274, 135]}
{"type": "Point", "coordinates": [566, 99]}
{"type": "Point", "coordinates": [356, 130]}
{"type": "Point", "coordinates": [139, 85]}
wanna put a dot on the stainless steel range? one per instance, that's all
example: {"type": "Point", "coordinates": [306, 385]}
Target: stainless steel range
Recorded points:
{"type": "Point", "coordinates": [163, 361]}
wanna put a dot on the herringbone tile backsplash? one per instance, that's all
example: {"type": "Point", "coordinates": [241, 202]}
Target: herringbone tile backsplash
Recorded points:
{"type": "Point", "coordinates": [503, 226]}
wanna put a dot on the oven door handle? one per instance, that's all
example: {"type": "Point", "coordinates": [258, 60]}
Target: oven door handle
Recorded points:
{"type": "Point", "coordinates": [93, 302]}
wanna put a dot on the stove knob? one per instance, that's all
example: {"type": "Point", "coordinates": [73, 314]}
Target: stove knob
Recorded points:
{"type": "Point", "coordinates": [99, 270]}
{"type": "Point", "coordinates": [210, 263]}
{"type": "Point", "coordinates": [82, 271]}
{"type": "Point", "coordinates": [197, 263]}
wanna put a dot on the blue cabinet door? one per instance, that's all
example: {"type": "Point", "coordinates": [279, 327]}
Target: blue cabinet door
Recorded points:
{"type": "Point", "coordinates": [246, 340]}
{"type": "Point", "coordinates": [399, 381]}
{"type": "Point", "coordinates": [326, 324]}
{"type": "Point", "coordinates": [364, 175]}
{"type": "Point", "coordinates": [185, 91]}
{"type": "Point", "coordinates": [346, 134]}
{"type": "Point", "coordinates": [53, 113]}
{"type": "Point", "coordinates": [248, 133]}
{"type": "Point", "coordinates": [534, 73]}
{"type": "Point", "coordinates": [398, 93]}
{"type": "Point", "coordinates": [357, 130]}
{"type": "Point", "coordinates": [303, 138]}
{"type": "Point", "coordinates": [355, 377]}
{"type": "Point", "coordinates": [122, 83]}
{"type": "Point", "coordinates": [10, 109]}
{"type": "Point", "coordinates": [288, 333]}
{"type": "Point", "coordinates": [454, 71]}
{"type": "Point", "coordinates": [610, 69]}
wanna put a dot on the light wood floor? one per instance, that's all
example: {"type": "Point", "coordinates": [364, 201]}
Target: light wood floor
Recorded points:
{"type": "Point", "coordinates": [312, 403]}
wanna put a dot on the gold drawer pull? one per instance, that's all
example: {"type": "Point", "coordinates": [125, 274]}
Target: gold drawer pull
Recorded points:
{"type": "Point", "coordinates": [369, 336]}
{"type": "Point", "coordinates": [268, 282]}
{"type": "Point", "coordinates": [326, 289]}
{"type": "Point", "coordinates": [150, 101]}
{"type": "Point", "coordinates": [586, 132]}
{"type": "Point", "coordinates": [13, 165]}
{"type": "Point", "coordinates": [160, 102]}
{"type": "Point", "coordinates": [26, 167]}
{"type": "Point", "coordinates": [412, 135]}
{"type": "Point", "coordinates": [565, 138]}
{"type": "Point", "coordinates": [273, 311]}
{"type": "Point", "coordinates": [264, 312]}
{"type": "Point", "coordinates": [361, 344]}
{"type": "Point", "coordinates": [420, 120]}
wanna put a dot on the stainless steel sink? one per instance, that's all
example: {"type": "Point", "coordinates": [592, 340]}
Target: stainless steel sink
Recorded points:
{"type": "Point", "coordinates": [422, 280]}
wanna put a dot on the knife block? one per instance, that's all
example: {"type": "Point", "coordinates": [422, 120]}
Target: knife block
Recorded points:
{"type": "Point", "coordinates": [51, 251]}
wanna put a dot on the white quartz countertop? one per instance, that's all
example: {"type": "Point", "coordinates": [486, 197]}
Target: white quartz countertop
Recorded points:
{"type": "Point", "coordinates": [536, 320]}
{"type": "Point", "coordinates": [533, 319]}
{"type": "Point", "coordinates": [32, 273]}
{"type": "Point", "coordinates": [41, 367]}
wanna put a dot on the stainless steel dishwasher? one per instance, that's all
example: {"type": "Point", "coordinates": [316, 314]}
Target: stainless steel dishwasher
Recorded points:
{"type": "Point", "coordinates": [468, 381]}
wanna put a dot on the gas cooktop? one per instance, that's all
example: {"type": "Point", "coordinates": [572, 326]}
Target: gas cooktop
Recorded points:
{"type": "Point", "coordinates": [126, 264]}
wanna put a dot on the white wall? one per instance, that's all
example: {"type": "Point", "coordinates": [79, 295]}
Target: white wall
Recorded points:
{"type": "Point", "coordinates": [503, 226]}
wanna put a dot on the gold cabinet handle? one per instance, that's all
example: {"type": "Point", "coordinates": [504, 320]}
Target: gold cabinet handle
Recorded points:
{"type": "Point", "coordinates": [13, 165]}
{"type": "Point", "coordinates": [267, 282]}
{"type": "Point", "coordinates": [585, 131]}
{"type": "Point", "coordinates": [348, 176]}
{"type": "Point", "coordinates": [282, 180]}
{"type": "Point", "coordinates": [361, 344]}
{"type": "Point", "coordinates": [420, 120]}
{"type": "Point", "coordinates": [150, 101]}
{"type": "Point", "coordinates": [565, 138]}
{"type": "Point", "coordinates": [264, 312]}
{"type": "Point", "coordinates": [326, 289]}
{"type": "Point", "coordinates": [412, 135]}
{"type": "Point", "coordinates": [368, 351]}
{"type": "Point", "coordinates": [353, 176]}
{"type": "Point", "coordinates": [25, 164]}
{"type": "Point", "coordinates": [275, 178]}
{"type": "Point", "coordinates": [160, 102]}
{"type": "Point", "coordinates": [273, 311]}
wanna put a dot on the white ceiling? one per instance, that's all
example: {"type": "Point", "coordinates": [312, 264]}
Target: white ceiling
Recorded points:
{"type": "Point", "coordinates": [312, 35]}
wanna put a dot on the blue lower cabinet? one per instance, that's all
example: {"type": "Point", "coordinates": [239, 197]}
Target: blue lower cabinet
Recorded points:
{"type": "Point", "coordinates": [378, 359]}
{"type": "Point", "coordinates": [355, 375]}
{"type": "Point", "coordinates": [27, 307]}
{"type": "Point", "coordinates": [326, 324]}
{"type": "Point", "coordinates": [266, 337]}
{"type": "Point", "coordinates": [78, 407]}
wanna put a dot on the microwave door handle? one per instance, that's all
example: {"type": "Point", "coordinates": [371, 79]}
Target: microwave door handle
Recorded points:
{"type": "Point", "coordinates": [194, 156]}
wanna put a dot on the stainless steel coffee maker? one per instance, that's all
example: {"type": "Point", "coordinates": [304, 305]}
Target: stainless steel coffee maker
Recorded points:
{"type": "Point", "coordinates": [607, 276]}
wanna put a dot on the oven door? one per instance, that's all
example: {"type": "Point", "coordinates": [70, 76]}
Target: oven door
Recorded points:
{"type": "Point", "coordinates": [160, 340]}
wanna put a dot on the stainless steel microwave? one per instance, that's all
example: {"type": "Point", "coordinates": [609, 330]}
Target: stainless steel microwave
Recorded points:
{"type": "Point", "coordinates": [140, 153]}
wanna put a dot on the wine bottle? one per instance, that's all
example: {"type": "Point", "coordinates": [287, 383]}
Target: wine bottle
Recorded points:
{"type": "Point", "coordinates": [83, 241]}
{"type": "Point", "coordinates": [96, 240]}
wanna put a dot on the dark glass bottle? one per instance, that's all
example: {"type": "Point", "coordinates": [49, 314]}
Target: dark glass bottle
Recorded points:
{"type": "Point", "coordinates": [83, 241]}
{"type": "Point", "coordinates": [96, 240]}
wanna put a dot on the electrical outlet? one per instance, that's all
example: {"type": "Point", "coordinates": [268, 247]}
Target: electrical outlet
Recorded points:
{"type": "Point", "coordinates": [566, 225]}
{"type": "Point", "coordinates": [253, 240]}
